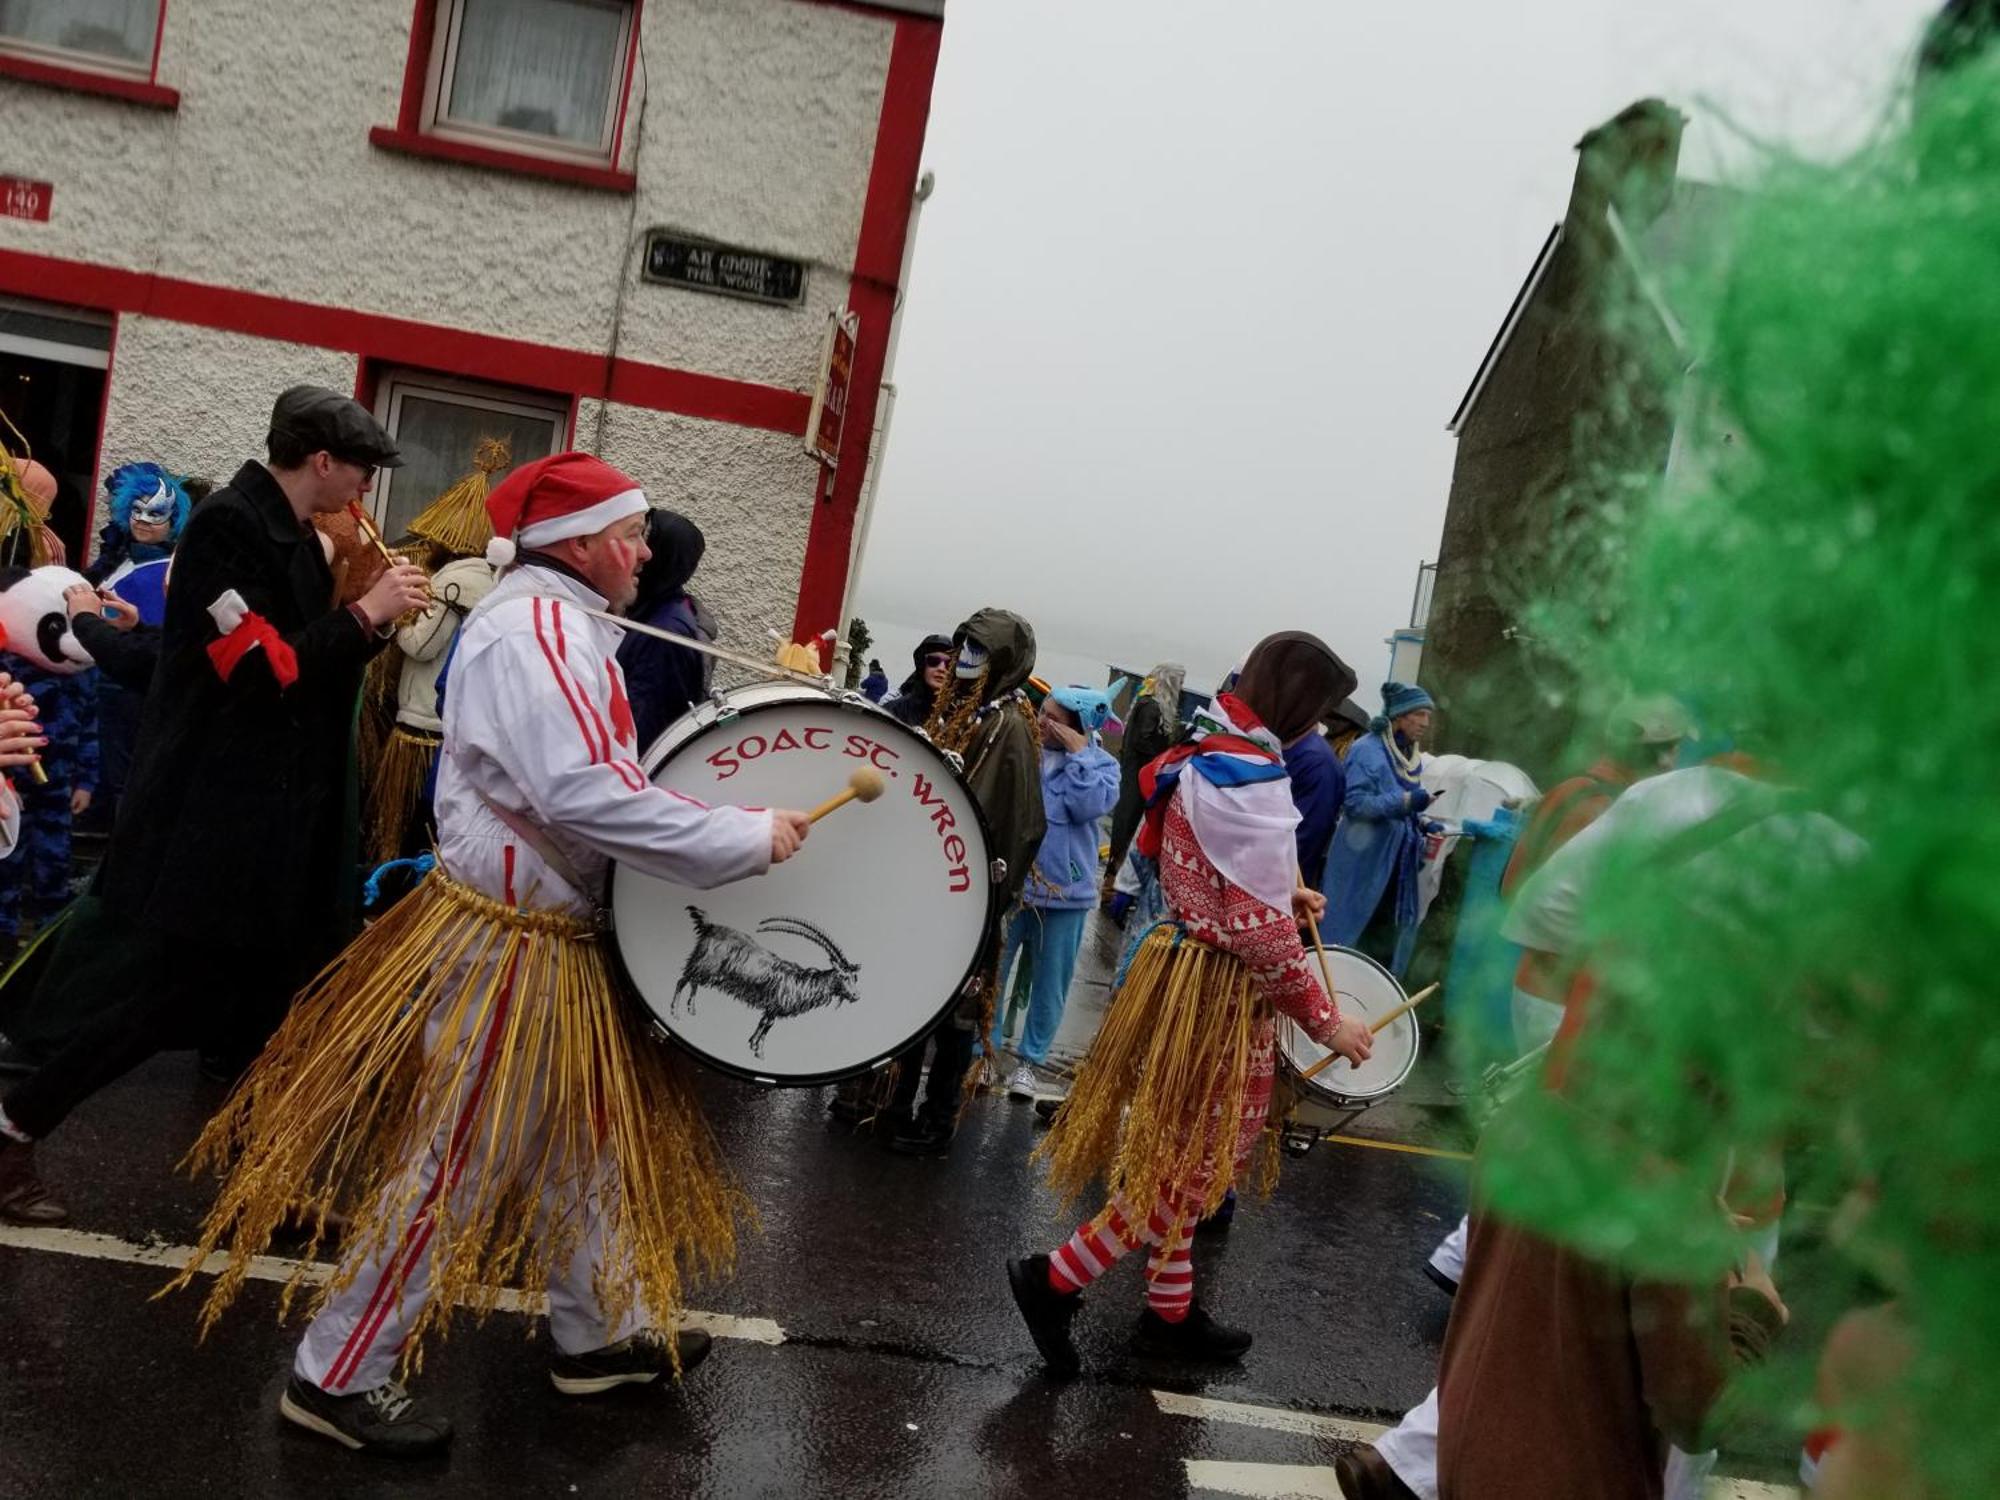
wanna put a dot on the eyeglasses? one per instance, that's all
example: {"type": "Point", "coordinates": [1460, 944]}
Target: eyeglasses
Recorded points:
{"type": "Point", "coordinates": [936, 660]}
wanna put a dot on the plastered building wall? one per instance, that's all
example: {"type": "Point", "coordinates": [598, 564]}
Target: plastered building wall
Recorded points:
{"type": "Point", "coordinates": [751, 122]}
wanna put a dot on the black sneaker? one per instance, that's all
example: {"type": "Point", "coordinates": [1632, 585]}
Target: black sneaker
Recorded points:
{"type": "Point", "coordinates": [384, 1420]}
{"type": "Point", "coordinates": [924, 1137]}
{"type": "Point", "coordinates": [23, 1198]}
{"type": "Point", "coordinates": [14, 1058]}
{"type": "Point", "coordinates": [1197, 1336]}
{"type": "Point", "coordinates": [639, 1360]}
{"type": "Point", "coordinates": [1046, 1311]}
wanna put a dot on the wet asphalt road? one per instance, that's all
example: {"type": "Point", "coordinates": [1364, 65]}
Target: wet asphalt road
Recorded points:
{"type": "Point", "coordinates": [904, 1371]}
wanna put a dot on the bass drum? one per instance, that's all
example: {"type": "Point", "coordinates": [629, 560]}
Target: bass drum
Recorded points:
{"type": "Point", "coordinates": [1364, 988]}
{"type": "Point", "coordinates": [846, 954]}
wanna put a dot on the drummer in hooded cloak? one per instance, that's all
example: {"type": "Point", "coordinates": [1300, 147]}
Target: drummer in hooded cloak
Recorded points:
{"type": "Point", "coordinates": [1170, 1106]}
{"type": "Point", "coordinates": [984, 716]}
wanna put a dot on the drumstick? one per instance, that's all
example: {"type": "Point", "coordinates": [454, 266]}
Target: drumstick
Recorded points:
{"type": "Point", "coordinates": [1312, 926]}
{"type": "Point", "coordinates": [864, 784]}
{"type": "Point", "coordinates": [762, 668]}
{"type": "Point", "coordinates": [1375, 1028]}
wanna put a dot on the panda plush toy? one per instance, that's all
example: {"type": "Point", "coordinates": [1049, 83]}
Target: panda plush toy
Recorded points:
{"type": "Point", "coordinates": [34, 618]}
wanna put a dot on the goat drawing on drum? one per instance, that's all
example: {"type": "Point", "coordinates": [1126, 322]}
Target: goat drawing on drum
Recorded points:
{"type": "Point", "coordinates": [776, 987]}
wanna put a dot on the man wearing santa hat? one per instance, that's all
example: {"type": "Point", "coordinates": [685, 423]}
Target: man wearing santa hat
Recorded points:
{"type": "Point", "coordinates": [467, 1064]}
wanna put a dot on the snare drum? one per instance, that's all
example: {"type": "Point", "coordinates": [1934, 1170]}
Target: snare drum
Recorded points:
{"type": "Point", "coordinates": [849, 952]}
{"type": "Point", "coordinates": [1363, 988]}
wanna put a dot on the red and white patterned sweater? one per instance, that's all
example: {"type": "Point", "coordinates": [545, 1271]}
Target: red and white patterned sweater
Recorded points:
{"type": "Point", "coordinates": [1228, 917]}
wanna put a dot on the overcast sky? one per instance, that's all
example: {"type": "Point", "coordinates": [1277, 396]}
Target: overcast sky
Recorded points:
{"type": "Point", "coordinates": [1203, 280]}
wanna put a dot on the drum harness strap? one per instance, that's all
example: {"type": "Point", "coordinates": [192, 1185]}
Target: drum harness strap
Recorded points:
{"type": "Point", "coordinates": [552, 856]}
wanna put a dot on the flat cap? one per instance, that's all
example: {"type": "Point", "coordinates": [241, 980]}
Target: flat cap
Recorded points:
{"type": "Point", "coordinates": [320, 418]}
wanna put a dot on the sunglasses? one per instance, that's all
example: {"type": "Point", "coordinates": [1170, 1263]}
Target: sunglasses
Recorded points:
{"type": "Point", "coordinates": [936, 660]}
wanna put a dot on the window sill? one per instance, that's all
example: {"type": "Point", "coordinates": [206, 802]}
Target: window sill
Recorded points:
{"type": "Point", "coordinates": [439, 148]}
{"type": "Point", "coordinates": [83, 81]}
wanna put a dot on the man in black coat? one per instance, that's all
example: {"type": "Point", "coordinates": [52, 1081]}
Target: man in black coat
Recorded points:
{"type": "Point", "coordinates": [226, 869]}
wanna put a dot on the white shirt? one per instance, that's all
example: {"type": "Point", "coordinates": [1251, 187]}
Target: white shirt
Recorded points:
{"type": "Point", "coordinates": [1548, 912]}
{"type": "Point", "coordinates": [537, 726]}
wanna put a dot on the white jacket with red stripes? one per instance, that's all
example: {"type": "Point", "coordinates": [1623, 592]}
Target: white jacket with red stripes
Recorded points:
{"type": "Point", "coordinates": [538, 733]}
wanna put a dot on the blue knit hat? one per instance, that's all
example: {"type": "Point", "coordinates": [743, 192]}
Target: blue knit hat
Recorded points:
{"type": "Point", "coordinates": [1399, 698]}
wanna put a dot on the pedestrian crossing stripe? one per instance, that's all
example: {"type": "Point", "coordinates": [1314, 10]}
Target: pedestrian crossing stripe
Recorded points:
{"type": "Point", "coordinates": [278, 1268]}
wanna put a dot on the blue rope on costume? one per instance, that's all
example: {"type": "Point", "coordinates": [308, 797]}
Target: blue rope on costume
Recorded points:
{"type": "Point", "coordinates": [1132, 947]}
{"type": "Point", "coordinates": [371, 890]}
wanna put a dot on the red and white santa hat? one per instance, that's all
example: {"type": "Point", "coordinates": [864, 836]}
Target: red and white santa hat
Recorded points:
{"type": "Point", "coordinates": [569, 494]}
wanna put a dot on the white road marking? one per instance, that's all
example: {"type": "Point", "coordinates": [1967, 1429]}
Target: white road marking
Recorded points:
{"type": "Point", "coordinates": [1271, 1418]}
{"type": "Point", "coordinates": [278, 1268]}
{"type": "Point", "coordinates": [1263, 1481]}
{"type": "Point", "coordinates": [1284, 1481]}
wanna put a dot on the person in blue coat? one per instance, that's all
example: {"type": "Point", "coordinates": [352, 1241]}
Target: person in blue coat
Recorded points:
{"type": "Point", "coordinates": [1319, 786]}
{"type": "Point", "coordinates": [875, 686]}
{"type": "Point", "coordinates": [1079, 787]}
{"type": "Point", "coordinates": [664, 680]}
{"type": "Point", "coordinates": [1371, 875]}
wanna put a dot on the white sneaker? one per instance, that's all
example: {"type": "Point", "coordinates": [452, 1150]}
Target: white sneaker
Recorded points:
{"type": "Point", "coordinates": [1023, 1084]}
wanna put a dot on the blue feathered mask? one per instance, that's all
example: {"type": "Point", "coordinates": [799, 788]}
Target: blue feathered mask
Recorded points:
{"type": "Point", "coordinates": [147, 492]}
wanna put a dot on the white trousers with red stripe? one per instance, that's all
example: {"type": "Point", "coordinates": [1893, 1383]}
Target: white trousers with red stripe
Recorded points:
{"type": "Point", "coordinates": [353, 1343]}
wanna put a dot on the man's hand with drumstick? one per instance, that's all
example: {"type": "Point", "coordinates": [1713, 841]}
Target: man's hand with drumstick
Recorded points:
{"type": "Point", "coordinates": [788, 832]}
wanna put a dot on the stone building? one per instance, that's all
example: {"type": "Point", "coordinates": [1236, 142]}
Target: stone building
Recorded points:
{"type": "Point", "coordinates": [1587, 370]}
{"type": "Point", "coordinates": [618, 225]}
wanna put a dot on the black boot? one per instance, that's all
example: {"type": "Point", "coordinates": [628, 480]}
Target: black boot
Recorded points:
{"type": "Point", "coordinates": [924, 1137]}
{"type": "Point", "coordinates": [1364, 1474]}
{"type": "Point", "coordinates": [1197, 1336]}
{"type": "Point", "coordinates": [1046, 1311]}
{"type": "Point", "coordinates": [23, 1199]}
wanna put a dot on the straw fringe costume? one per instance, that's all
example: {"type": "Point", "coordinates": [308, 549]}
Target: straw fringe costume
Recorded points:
{"type": "Point", "coordinates": [400, 716]}
{"type": "Point", "coordinates": [465, 1078]}
{"type": "Point", "coordinates": [396, 800]}
{"type": "Point", "coordinates": [1170, 1105]}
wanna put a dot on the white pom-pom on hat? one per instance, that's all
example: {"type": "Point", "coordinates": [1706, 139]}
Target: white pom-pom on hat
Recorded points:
{"type": "Point", "coordinates": [500, 552]}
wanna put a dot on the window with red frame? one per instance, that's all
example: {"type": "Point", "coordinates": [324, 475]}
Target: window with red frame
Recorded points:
{"type": "Point", "coordinates": [546, 77]}
{"type": "Point", "coordinates": [107, 36]}
{"type": "Point", "coordinates": [439, 422]}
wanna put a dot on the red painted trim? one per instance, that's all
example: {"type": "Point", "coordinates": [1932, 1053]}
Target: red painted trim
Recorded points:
{"type": "Point", "coordinates": [569, 425]}
{"type": "Point", "coordinates": [84, 81]}
{"type": "Point", "coordinates": [663, 388]}
{"type": "Point", "coordinates": [625, 94]}
{"type": "Point", "coordinates": [97, 454]}
{"type": "Point", "coordinates": [417, 66]}
{"type": "Point", "coordinates": [878, 263]}
{"type": "Point", "coordinates": [159, 30]}
{"type": "Point", "coordinates": [428, 346]}
{"type": "Point", "coordinates": [367, 381]}
{"type": "Point", "coordinates": [464, 153]}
